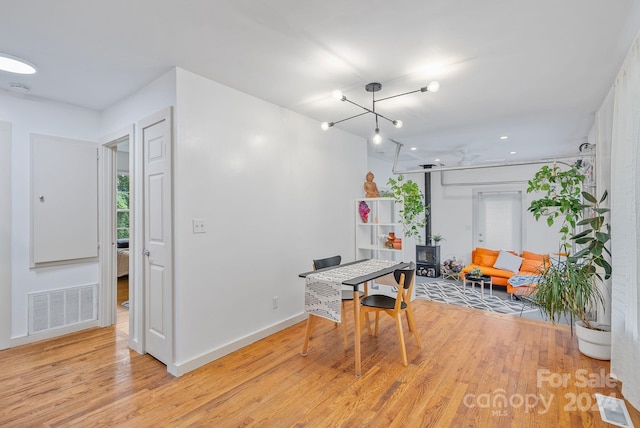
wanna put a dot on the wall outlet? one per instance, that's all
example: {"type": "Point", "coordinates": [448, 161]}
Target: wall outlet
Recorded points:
{"type": "Point", "coordinates": [275, 302]}
{"type": "Point", "coordinates": [199, 226]}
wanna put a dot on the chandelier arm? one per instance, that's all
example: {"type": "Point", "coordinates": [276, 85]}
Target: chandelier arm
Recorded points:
{"type": "Point", "coordinates": [368, 110]}
{"type": "Point", "coordinates": [357, 115]}
{"type": "Point", "coordinates": [394, 96]}
{"type": "Point", "coordinates": [384, 117]}
{"type": "Point", "coordinates": [356, 104]}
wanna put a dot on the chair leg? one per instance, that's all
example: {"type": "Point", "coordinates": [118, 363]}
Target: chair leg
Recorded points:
{"type": "Point", "coordinates": [412, 325]}
{"type": "Point", "coordinates": [377, 318]}
{"type": "Point", "coordinates": [366, 293]}
{"type": "Point", "coordinates": [403, 350]}
{"type": "Point", "coordinates": [344, 325]}
{"type": "Point", "coordinates": [368, 322]}
{"type": "Point", "coordinates": [311, 322]}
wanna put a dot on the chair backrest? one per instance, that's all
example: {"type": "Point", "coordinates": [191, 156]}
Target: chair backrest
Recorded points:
{"type": "Point", "coordinates": [408, 272]}
{"type": "Point", "coordinates": [328, 262]}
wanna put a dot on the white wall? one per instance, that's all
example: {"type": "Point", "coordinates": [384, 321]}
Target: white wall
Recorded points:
{"type": "Point", "coordinates": [275, 193]}
{"type": "Point", "coordinates": [157, 95]}
{"type": "Point", "coordinates": [5, 234]}
{"type": "Point", "coordinates": [452, 205]}
{"type": "Point", "coordinates": [30, 115]}
{"type": "Point", "coordinates": [452, 208]}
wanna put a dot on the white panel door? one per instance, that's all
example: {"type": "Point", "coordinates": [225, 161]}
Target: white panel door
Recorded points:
{"type": "Point", "coordinates": [499, 220]}
{"type": "Point", "coordinates": [158, 254]}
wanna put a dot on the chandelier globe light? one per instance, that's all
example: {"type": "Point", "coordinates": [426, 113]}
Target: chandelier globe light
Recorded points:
{"type": "Point", "coordinates": [373, 88]}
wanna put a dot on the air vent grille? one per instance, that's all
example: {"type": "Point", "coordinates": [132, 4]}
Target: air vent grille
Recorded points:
{"type": "Point", "coordinates": [61, 308]}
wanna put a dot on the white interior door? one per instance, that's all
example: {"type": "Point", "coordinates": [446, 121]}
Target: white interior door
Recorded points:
{"type": "Point", "coordinates": [499, 220]}
{"type": "Point", "coordinates": [158, 254]}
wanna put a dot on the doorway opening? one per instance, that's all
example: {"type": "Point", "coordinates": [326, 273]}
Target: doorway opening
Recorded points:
{"type": "Point", "coordinates": [116, 248]}
{"type": "Point", "coordinates": [121, 211]}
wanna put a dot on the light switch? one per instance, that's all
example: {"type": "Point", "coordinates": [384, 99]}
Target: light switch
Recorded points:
{"type": "Point", "coordinates": [198, 225]}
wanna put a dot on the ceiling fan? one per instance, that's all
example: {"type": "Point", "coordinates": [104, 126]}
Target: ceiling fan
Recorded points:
{"type": "Point", "coordinates": [466, 158]}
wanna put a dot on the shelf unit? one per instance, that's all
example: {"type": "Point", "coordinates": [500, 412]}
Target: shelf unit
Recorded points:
{"type": "Point", "coordinates": [372, 235]}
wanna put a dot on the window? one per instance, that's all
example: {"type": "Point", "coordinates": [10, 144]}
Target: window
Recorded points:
{"type": "Point", "coordinates": [122, 209]}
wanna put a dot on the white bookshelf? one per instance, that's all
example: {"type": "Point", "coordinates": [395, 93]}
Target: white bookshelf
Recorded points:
{"type": "Point", "coordinates": [372, 235]}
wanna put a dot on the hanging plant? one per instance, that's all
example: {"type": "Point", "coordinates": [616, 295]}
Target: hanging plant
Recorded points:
{"type": "Point", "coordinates": [413, 212]}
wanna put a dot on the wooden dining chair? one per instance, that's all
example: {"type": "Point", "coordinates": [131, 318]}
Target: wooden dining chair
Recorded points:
{"type": "Point", "coordinates": [395, 306]}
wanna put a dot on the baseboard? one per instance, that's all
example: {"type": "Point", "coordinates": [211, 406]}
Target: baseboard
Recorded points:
{"type": "Point", "coordinates": [50, 334]}
{"type": "Point", "coordinates": [190, 365]}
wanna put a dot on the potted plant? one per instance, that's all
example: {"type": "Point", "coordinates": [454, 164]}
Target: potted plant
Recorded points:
{"type": "Point", "coordinates": [437, 238]}
{"type": "Point", "coordinates": [570, 284]}
{"type": "Point", "coordinates": [475, 272]}
{"type": "Point", "coordinates": [413, 212]}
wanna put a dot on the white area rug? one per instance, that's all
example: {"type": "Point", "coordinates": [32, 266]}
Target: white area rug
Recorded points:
{"type": "Point", "coordinates": [447, 292]}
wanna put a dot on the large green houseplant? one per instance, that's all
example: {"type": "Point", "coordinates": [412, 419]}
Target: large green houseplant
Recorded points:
{"type": "Point", "coordinates": [569, 284]}
{"type": "Point", "coordinates": [413, 212]}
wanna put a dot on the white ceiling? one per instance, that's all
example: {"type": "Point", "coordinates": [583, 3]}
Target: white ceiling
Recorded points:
{"type": "Point", "coordinates": [533, 70]}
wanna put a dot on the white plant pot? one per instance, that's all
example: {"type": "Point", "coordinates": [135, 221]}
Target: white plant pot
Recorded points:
{"type": "Point", "coordinates": [594, 343]}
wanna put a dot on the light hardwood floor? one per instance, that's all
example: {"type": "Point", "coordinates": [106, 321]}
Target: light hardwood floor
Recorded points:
{"type": "Point", "coordinates": [470, 360]}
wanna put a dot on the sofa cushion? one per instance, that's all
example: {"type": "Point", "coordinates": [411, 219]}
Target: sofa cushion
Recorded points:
{"type": "Point", "coordinates": [532, 266]}
{"type": "Point", "coordinates": [486, 252]}
{"type": "Point", "coordinates": [534, 256]}
{"type": "Point", "coordinates": [508, 262]}
{"type": "Point", "coordinates": [493, 272]}
{"type": "Point", "coordinates": [485, 260]}
{"type": "Point", "coordinates": [490, 271]}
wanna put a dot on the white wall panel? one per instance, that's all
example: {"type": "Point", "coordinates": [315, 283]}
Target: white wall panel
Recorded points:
{"type": "Point", "coordinates": [274, 192]}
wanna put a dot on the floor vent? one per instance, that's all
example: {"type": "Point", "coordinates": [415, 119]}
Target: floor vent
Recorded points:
{"type": "Point", "coordinates": [61, 308]}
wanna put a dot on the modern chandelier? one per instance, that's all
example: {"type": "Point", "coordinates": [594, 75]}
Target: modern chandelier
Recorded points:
{"type": "Point", "coordinates": [373, 88]}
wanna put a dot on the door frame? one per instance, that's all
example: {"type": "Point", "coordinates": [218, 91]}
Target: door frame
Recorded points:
{"type": "Point", "coordinates": [498, 189]}
{"type": "Point", "coordinates": [108, 275]}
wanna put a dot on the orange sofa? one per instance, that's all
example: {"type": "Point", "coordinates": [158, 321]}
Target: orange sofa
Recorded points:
{"type": "Point", "coordinates": [485, 258]}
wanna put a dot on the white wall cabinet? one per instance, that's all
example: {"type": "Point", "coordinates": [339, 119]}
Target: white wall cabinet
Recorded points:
{"type": "Point", "coordinates": [64, 200]}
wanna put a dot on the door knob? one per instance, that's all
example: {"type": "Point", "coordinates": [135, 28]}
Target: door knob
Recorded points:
{"type": "Point", "coordinates": [146, 252]}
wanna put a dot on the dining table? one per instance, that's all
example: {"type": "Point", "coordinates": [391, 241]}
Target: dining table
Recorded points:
{"type": "Point", "coordinates": [323, 294]}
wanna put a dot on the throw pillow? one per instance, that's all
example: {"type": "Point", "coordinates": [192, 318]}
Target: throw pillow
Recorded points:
{"type": "Point", "coordinates": [508, 261]}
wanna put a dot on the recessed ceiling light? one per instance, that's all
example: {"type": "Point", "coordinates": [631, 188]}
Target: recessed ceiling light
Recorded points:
{"type": "Point", "coordinates": [17, 65]}
{"type": "Point", "coordinates": [504, 137]}
{"type": "Point", "coordinates": [512, 153]}
{"type": "Point", "coordinates": [436, 160]}
{"type": "Point", "coordinates": [414, 148]}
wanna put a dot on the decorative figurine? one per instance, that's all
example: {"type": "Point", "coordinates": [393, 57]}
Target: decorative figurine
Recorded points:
{"type": "Point", "coordinates": [364, 211]}
{"type": "Point", "coordinates": [371, 188]}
